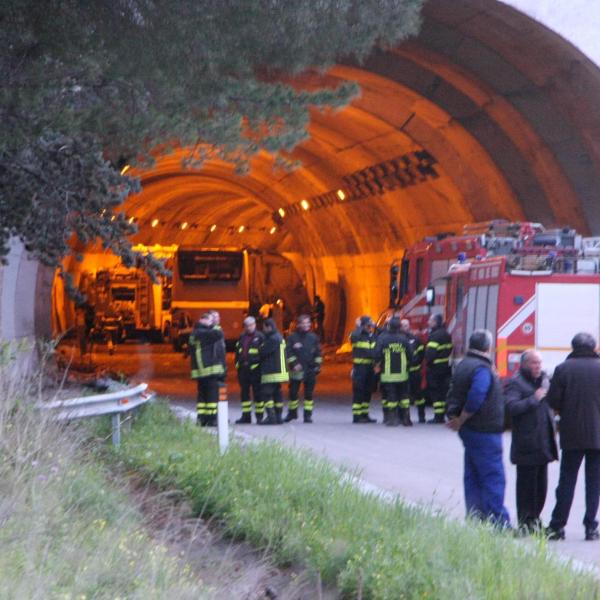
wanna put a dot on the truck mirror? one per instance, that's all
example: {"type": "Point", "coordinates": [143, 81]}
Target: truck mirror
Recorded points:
{"type": "Point", "coordinates": [430, 296]}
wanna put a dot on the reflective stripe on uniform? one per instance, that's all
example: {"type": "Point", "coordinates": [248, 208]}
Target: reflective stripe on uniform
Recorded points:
{"type": "Point", "coordinates": [363, 361]}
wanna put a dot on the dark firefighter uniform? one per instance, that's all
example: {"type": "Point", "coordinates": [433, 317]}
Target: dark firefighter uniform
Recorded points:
{"type": "Point", "coordinates": [303, 350]}
{"type": "Point", "coordinates": [247, 364]}
{"type": "Point", "coordinates": [393, 354]}
{"type": "Point", "coordinates": [208, 369]}
{"type": "Point", "coordinates": [363, 376]}
{"type": "Point", "coordinates": [273, 372]}
{"type": "Point", "coordinates": [437, 360]}
{"type": "Point", "coordinates": [415, 378]}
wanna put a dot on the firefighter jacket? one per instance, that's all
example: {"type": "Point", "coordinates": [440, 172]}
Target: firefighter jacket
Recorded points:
{"type": "Point", "coordinates": [207, 350]}
{"type": "Point", "coordinates": [273, 368]}
{"type": "Point", "coordinates": [437, 352]}
{"type": "Point", "coordinates": [304, 349]}
{"type": "Point", "coordinates": [363, 347]}
{"type": "Point", "coordinates": [393, 352]}
{"type": "Point", "coordinates": [418, 350]}
{"type": "Point", "coordinates": [246, 351]}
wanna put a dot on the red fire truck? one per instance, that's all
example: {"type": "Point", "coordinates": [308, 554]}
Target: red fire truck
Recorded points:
{"type": "Point", "coordinates": [533, 288]}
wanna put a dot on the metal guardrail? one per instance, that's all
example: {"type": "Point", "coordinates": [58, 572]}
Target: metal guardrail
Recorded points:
{"type": "Point", "coordinates": [112, 403]}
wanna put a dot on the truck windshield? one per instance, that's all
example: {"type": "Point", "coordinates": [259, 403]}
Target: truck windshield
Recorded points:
{"type": "Point", "coordinates": [210, 266]}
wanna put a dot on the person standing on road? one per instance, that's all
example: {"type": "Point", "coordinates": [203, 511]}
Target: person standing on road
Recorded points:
{"type": "Point", "coordinates": [318, 315]}
{"type": "Point", "coordinates": [363, 377]}
{"type": "Point", "coordinates": [304, 361]}
{"type": "Point", "coordinates": [206, 343]}
{"type": "Point", "coordinates": [415, 379]}
{"type": "Point", "coordinates": [533, 438]}
{"type": "Point", "coordinates": [247, 364]}
{"type": "Point", "coordinates": [437, 358]}
{"type": "Point", "coordinates": [392, 357]}
{"type": "Point", "coordinates": [273, 372]}
{"type": "Point", "coordinates": [476, 412]}
{"type": "Point", "coordinates": [575, 395]}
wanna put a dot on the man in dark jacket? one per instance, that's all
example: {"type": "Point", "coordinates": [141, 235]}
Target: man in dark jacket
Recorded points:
{"type": "Point", "coordinates": [437, 358]}
{"type": "Point", "coordinates": [575, 395]}
{"type": "Point", "coordinates": [304, 362]}
{"type": "Point", "coordinates": [273, 372]}
{"type": "Point", "coordinates": [392, 356]}
{"type": "Point", "coordinates": [533, 439]}
{"type": "Point", "coordinates": [247, 363]}
{"type": "Point", "coordinates": [206, 344]}
{"type": "Point", "coordinates": [476, 411]}
{"type": "Point", "coordinates": [363, 376]}
{"type": "Point", "coordinates": [415, 378]}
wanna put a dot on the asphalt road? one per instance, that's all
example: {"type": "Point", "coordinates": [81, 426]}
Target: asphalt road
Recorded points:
{"type": "Point", "coordinates": [423, 464]}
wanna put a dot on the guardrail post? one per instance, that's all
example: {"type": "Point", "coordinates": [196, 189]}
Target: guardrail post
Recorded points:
{"type": "Point", "coordinates": [223, 419]}
{"type": "Point", "coordinates": [116, 430]}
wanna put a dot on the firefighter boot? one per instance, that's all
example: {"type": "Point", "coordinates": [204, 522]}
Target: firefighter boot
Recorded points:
{"type": "Point", "coordinates": [292, 415]}
{"type": "Point", "coordinates": [308, 416]}
{"type": "Point", "coordinates": [421, 409]}
{"type": "Point", "coordinates": [393, 420]}
{"type": "Point", "coordinates": [270, 418]}
{"type": "Point", "coordinates": [245, 418]}
{"type": "Point", "coordinates": [438, 418]}
{"type": "Point", "coordinates": [367, 419]}
{"type": "Point", "coordinates": [405, 417]}
{"type": "Point", "coordinates": [278, 413]}
{"type": "Point", "coordinates": [386, 415]}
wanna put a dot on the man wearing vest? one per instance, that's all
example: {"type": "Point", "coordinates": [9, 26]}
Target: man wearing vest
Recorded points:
{"type": "Point", "coordinates": [247, 363]}
{"type": "Point", "coordinates": [392, 357]}
{"type": "Point", "coordinates": [363, 376]}
{"type": "Point", "coordinates": [437, 358]}
{"type": "Point", "coordinates": [206, 344]}
{"type": "Point", "coordinates": [414, 370]}
{"type": "Point", "coordinates": [273, 372]}
{"type": "Point", "coordinates": [476, 412]}
{"type": "Point", "coordinates": [304, 362]}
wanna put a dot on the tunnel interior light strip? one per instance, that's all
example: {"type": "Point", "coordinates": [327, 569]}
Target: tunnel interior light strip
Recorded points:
{"type": "Point", "coordinates": [375, 180]}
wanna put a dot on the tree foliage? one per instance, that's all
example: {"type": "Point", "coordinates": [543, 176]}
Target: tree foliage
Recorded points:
{"type": "Point", "coordinates": [88, 85]}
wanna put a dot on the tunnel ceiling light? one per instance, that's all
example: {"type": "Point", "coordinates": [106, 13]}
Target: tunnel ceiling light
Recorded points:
{"type": "Point", "coordinates": [131, 220]}
{"type": "Point", "coordinates": [184, 225]}
{"type": "Point", "coordinates": [113, 217]}
{"type": "Point", "coordinates": [241, 229]}
{"type": "Point", "coordinates": [272, 230]}
{"type": "Point", "coordinates": [341, 195]}
{"type": "Point", "coordinates": [281, 212]}
{"type": "Point", "coordinates": [213, 227]}
{"type": "Point", "coordinates": [304, 204]}
{"type": "Point", "coordinates": [154, 222]}
{"type": "Point", "coordinates": [125, 169]}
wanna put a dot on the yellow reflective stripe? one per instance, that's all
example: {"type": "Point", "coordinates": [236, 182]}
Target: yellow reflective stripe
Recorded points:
{"type": "Point", "coordinates": [446, 346]}
{"type": "Point", "coordinates": [318, 359]}
{"type": "Point", "coordinates": [420, 348]}
{"type": "Point", "coordinates": [432, 345]}
{"type": "Point", "coordinates": [417, 368]}
{"type": "Point", "coordinates": [363, 361]}
{"type": "Point", "coordinates": [274, 378]}
{"type": "Point", "coordinates": [253, 351]}
{"type": "Point", "coordinates": [441, 360]}
{"type": "Point", "coordinates": [253, 366]}
{"type": "Point", "coordinates": [291, 359]}
{"type": "Point", "coordinates": [368, 345]}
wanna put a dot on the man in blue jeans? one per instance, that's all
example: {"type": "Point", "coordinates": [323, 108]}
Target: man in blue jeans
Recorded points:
{"type": "Point", "coordinates": [476, 411]}
{"type": "Point", "coordinates": [575, 395]}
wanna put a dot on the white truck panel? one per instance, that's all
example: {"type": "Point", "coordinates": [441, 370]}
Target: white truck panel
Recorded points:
{"type": "Point", "coordinates": [563, 310]}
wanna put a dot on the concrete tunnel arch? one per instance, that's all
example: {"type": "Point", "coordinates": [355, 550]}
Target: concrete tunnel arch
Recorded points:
{"type": "Point", "coordinates": [489, 113]}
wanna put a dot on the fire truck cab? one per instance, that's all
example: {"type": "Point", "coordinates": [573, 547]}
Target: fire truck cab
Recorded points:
{"type": "Point", "coordinates": [531, 287]}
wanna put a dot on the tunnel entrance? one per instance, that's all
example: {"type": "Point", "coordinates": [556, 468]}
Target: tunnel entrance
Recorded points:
{"type": "Point", "coordinates": [485, 115]}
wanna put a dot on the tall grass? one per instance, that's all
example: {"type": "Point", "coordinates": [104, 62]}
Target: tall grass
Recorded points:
{"type": "Point", "coordinates": [303, 509]}
{"type": "Point", "coordinates": [65, 531]}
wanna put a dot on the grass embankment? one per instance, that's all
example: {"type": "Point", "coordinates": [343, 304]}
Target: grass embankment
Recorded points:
{"type": "Point", "coordinates": [303, 509]}
{"type": "Point", "coordinates": [65, 531]}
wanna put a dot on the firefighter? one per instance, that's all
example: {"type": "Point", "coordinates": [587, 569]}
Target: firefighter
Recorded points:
{"type": "Point", "coordinates": [417, 396]}
{"type": "Point", "coordinates": [273, 372]}
{"type": "Point", "coordinates": [363, 376]}
{"type": "Point", "coordinates": [304, 361]}
{"type": "Point", "coordinates": [392, 358]}
{"type": "Point", "coordinates": [247, 364]}
{"type": "Point", "coordinates": [206, 341]}
{"type": "Point", "coordinates": [222, 348]}
{"type": "Point", "coordinates": [437, 360]}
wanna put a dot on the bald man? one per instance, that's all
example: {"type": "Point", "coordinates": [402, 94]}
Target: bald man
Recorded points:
{"type": "Point", "coordinates": [533, 438]}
